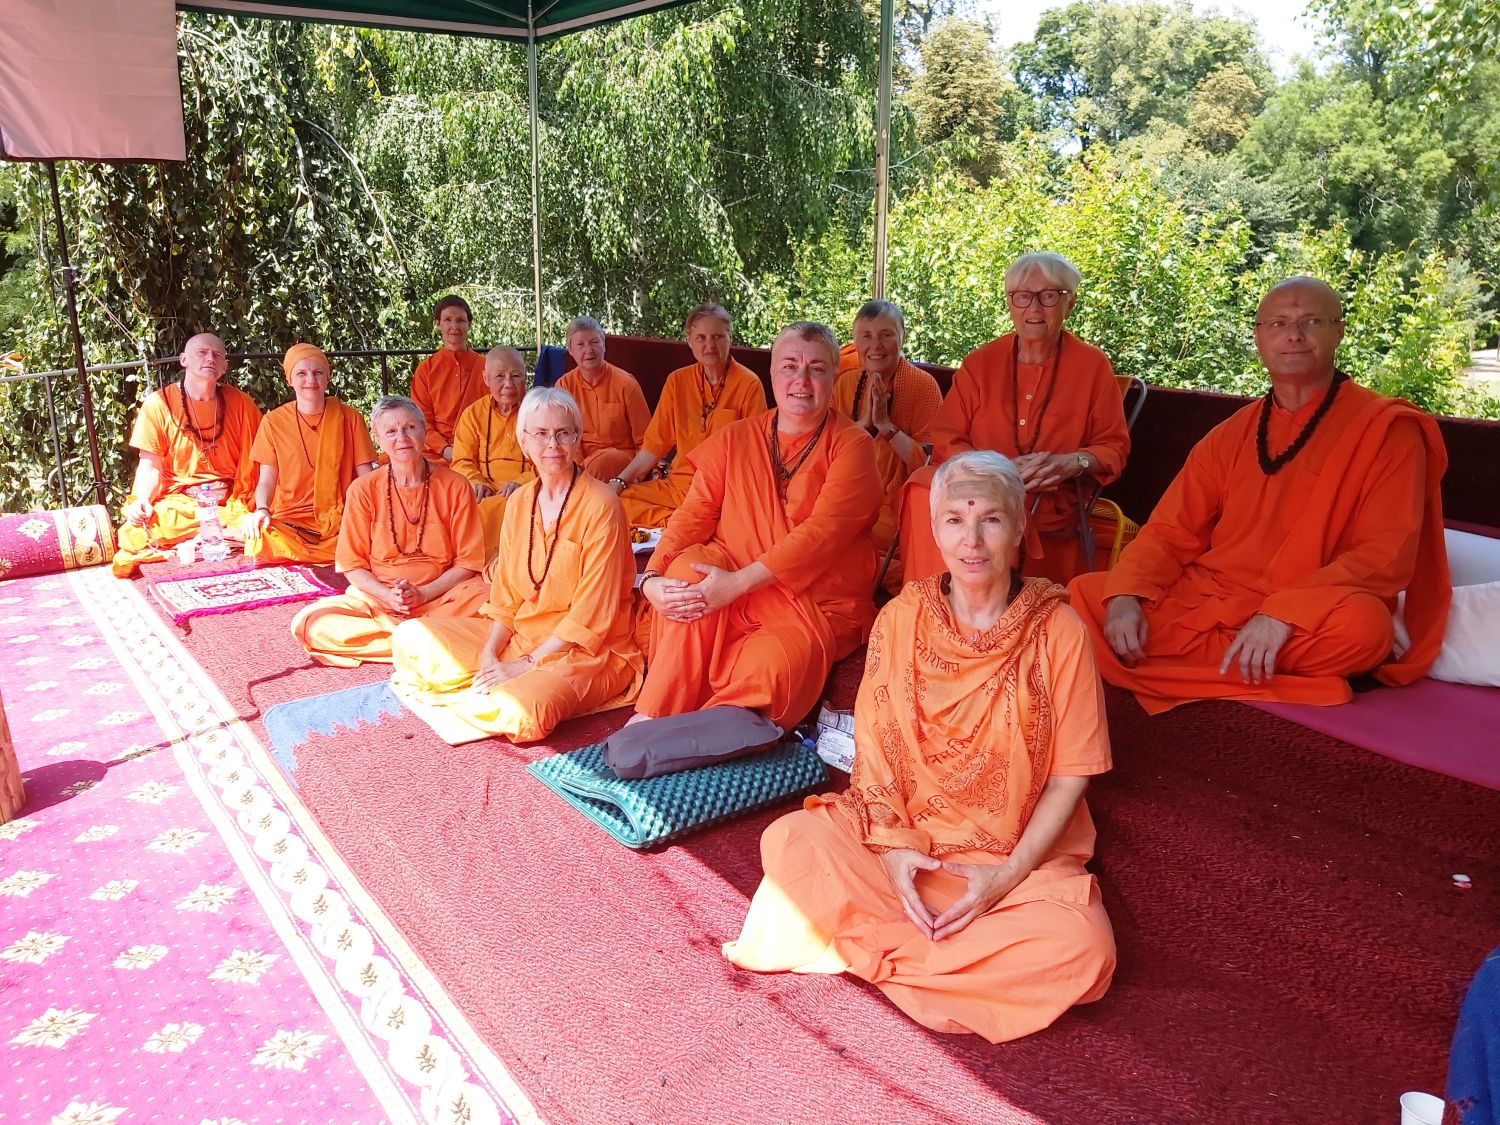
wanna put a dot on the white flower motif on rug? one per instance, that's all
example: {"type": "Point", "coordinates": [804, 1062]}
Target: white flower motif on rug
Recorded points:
{"type": "Point", "coordinates": [34, 948]}
{"type": "Point", "coordinates": [78, 787]}
{"type": "Point", "coordinates": [64, 748]}
{"type": "Point", "coordinates": [140, 956]}
{"type": "Point", "coordinates": [208, 898]}
{"type": "Point", "coordinates": [50, 714]}
{"type": "Point", "coordinates": [152, 793]}
{"type": "Point", "coordinates": [31, 661]}
{"type": "Point", "coordinates": [43, 685]}
{"type": "Point", "coordinates": [176, 841]}
{"type": "Point", "coordinates": [54, 603]}
{"type": "Point", "coordinates": [75, 642]}
{"type": "Point", "coordinates": [87, 1113]}
{"type": "Point", "coordinates": [288, 1050]}
{"type": "Point", "coordinates": [95, 833]}
{"type": "Point", "coordinates": [15, 828]}
{"type": "Point", "coordinates": [221, 1121]}
{"type": "Point", "coordinates": [108, 688]}
{"type": "Point", "coordinates": [88, 664]}
{"type": "Point", "coordinates": [117, 718]}
{"type": "Point", "coordinates": [24, 639]}
{"type": "Point", "coordinates": [67, 622]}
{"type": "Point", "coordinates": [54, 1027]}
{"type": "Point", "coordinates": [114, 890]}
{"type": "Point", "coordinates": [34, 530]}
{"type": "Point", "coordinates": [174, 1038]}
{"type": "Point", "coordinates": [22, 883]}
{"type": "Point", "coordinates": [243, 966]}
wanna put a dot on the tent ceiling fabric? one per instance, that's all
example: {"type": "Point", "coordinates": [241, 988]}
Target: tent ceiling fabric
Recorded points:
{"type": "Point", "coordinates": [502, 18]}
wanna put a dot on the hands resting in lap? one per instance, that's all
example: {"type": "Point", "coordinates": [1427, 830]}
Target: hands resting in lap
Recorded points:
{"type": "Point", "coordinates": [1254, 649]}
{"type": "Point", "coordinates": [988, 883]}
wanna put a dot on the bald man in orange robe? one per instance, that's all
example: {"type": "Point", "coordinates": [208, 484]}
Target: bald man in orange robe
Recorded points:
{"type": "Point", "coordinates": [895, 401]}
{"type": "Point", "coordinates": [446, 382]}
{"type": "Point", "coordinates": [763, 577]}
{"type": "Point", "coordinates": [191, 434]}
{"type": "Point", "coordinates": [1271, 567]}
{"type": "Point", "coordinates": [615, 414]}
{"type": "Point", "coordinates": [697, 400]}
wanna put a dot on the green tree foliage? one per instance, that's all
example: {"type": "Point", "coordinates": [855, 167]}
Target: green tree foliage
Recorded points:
{"type": "Point", "coordinates": [1222, 106]}
{"type": "Point", "coordinates": [1428, 49]}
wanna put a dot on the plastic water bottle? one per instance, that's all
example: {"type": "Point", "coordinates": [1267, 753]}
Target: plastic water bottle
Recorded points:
{"type": "Point", "coordinates": [211, 545]}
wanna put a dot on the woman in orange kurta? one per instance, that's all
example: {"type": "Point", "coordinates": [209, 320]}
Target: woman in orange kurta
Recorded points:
{"type": "Point", "coordinates": [447, 381]}
{"type": "Point", "coordinates": [410, 546]}
{"type": "Point", "coordinates": [696, 401]}
{"type": "Point", "coordinates": [558, 639]}
{"type": "Point", "coordinates": [894, 400]}
{"type": "Point", "coordinates": [486, 448]}
{"type": "Point", "coordinates": [951, 873]}
{"type": "Point", "coordinates": [1041, 396]}
{"type": "Point", "coordinates": [615, 414]}
{"type": "Point", "coordinates": [309, 452]}
{"type": "Point", "coordinates": [764, 577]}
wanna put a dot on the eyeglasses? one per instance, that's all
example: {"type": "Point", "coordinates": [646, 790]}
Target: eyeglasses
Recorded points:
{"type": "Point", "coordinates": [1023, 298]}
{"type": "Point", "coordinates": [1303, 324]}
{"type": "Point", "coordinates": [545, 438]}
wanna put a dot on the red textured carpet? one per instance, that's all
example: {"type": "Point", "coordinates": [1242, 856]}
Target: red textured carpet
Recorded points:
{"type": "Point", "coordinates": [1291, 945]}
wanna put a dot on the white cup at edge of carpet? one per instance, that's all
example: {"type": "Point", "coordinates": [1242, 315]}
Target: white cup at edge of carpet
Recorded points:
{"type": "Point", "coordinates": [1418, 1108]}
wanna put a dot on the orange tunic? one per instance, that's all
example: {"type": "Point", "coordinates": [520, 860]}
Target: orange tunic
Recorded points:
{"type": "Point", "coordinates": [487, 451]}
{"type": "Point", "coordinates": [686, 415]}
{"type": "Point", "coordinates": [956, 740]}
{"type": "Point", "coordinates": [770, 650]}
{"type": "Point", "coordinates": [314, 468]}
{"type": "Point", "coordinates": [442, 386]}
{"type": "Point", "coordinates": [615, 417]}
{"type": "Point", "coordinates": [584, 599]}
{"type": "Point", "coordinates": [161, 428]}
{"type": "Point", "coordinates": [351, 628]}
{"type": "Point", "coordinates": [1325, 545]}
{"type": "Point", "coordinates": [996, 404]}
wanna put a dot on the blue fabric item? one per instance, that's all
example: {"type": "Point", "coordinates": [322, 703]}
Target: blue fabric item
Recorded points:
{"type": "Point", "coordinates": [551, 365]}
{"type": "Point", "coordinates": [290, 725]}
{"type": "Point", "coordinates": [654, 810]}
{"type": "Point", "coordinates": [1474, 1063]}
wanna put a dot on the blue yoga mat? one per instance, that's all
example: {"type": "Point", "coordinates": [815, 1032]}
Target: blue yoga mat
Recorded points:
{"type": "Point", "coordinates": [290, 725]}
{"type": "Point", "coordinates": [654, 810]}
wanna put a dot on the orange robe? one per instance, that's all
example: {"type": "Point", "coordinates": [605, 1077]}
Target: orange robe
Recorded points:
{"type": "Point", "coordinates": [442, 386]}
{"type": "Point", "coordinates": [12, 792]}
{"type": "Point", "coordinates": [955, 741]}
{"type": "Point", "coordinates": [314, 468]}
{"type": "Point", "coordinates": [351, 628]}
{"type": "Point", "coordinates": [584, 599]}
{"type": "Point", "coordinates": [914, 400]}
{"type": "Point", "coordinates": [684, 417]}
{"type": "Point", "coordinates": [615, 417]}
{"type": "Point", "coordinates": [1084, 411]}
{"type": "Point", "coordinates": [487, 451]}
{"type": "Point", "coordinates": [770, 650]}
{"type": "Point", "coordinates": [1325, 545]}
{"type": "Point", "coordinates": [160, 429]}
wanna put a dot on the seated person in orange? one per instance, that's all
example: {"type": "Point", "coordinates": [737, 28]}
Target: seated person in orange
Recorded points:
{"type": "Point", "coordinates": [556, 639]}
{"type": "Point", "coordinates": [696, 401]}
{"type": "Point", "coordinates": [448, 380]}
{"type": "Point", "coordinates": [1045, 399]}
{"type": "Point", "coordinates": [615, 414]}
{"type": "Point", "coordinates": [894, 401]}
{"type": "Point", "coordinates": [763, 577]}
{"type": "Point", "coordinates": [486, 449]}
{"type": "Point", "coordinates": [1270, 568]}
{"type": "Point", "coordinates": [951, 872]}
{"type": "Point", "coordinates": [410, 546]}
{"type": "Point", "coordinates": [309, 452]}
{"type": "Point", "coordinates": [190, 434]}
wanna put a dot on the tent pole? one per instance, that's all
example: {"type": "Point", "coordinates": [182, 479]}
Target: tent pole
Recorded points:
{"type": "Point", "coordinates": [100, 493]}
{"type": "Point", "coordinates": [883, 142]}
{"type": "Point", "coordinates": [536, 180]}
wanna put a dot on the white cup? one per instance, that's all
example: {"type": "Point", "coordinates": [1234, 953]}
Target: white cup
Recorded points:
{"type": "Point", "coordinates": [1418, 1108]}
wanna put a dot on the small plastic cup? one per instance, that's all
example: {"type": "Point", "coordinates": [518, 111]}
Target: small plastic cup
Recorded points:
{"type": "Point", "coordinates": [1418, 1108]}
{"type": "Point", "coordinates": [185, 551]}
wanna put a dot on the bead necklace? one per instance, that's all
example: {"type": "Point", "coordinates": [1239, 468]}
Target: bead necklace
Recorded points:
{"type": "Point", "coordinates": [301, 440]}
{"type": "Point", "coordinates": [206, 445]}
{"type": "Point", "coordinates": [536, 501]}
{"type": "Point", "coordinates": [859, 394]}
{"type": "Point", "coordinates": [711, 404]}
{"type": "Point", "coordinates": [784, 474]}
{"type": "Point", "coordinates": [1015, 396]}
{"type": "Point", "coordinates": [1273, 465]}
{"type": "Point", "coordinates": [393, 498]}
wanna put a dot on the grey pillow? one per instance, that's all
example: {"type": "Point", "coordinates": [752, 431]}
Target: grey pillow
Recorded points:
{"type": "Point", "coordinates": [682, 742]}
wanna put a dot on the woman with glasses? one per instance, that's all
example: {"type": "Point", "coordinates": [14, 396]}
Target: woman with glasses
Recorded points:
{"type": "Point", "coordinates": [1045, 399]}
{"type": "Point", "coordinates": [556, 637]}
{"type": "Point", "coordinates": [409, 544]}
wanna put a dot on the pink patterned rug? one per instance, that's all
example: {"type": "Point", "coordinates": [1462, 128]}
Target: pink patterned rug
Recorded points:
{"type": "Point", "coordinates": [177, 942]}
{"type": "Point", "coordinates": [235, 588]}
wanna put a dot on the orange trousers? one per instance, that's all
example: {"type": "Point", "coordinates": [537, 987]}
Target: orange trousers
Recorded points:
{"type": "Point", "coordinates": [350, 629]}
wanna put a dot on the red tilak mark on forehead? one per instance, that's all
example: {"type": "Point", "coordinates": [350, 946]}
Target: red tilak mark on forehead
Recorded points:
{"type": "Point", "coordinates": [971, 503]}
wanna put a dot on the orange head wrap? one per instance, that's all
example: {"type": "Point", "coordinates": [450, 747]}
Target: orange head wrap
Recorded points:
{"type": "Point", "coordinates": [297, 353]}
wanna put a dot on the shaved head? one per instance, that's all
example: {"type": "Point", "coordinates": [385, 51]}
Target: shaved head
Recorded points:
{"type": "Point", "coordinates": [1298, 327]}
{"type": "Point", "coordinates": [204, 357]}
{"type": "Point", "coordinates": [1310, 289]}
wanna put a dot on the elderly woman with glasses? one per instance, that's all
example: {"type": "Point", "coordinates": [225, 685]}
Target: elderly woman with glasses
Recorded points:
{"type": "Point", "coordinates": [410, 545]}
{"type": "Point", "coordinates": [951, 872]}
{"type": "Point", "coordinates": [556, 639]}
{"type": "Point", "coordinates": [1045, 399]}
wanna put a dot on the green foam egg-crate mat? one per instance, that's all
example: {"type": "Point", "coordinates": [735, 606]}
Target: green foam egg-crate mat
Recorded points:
{"type": "Point", "coordinates": [654, 810]}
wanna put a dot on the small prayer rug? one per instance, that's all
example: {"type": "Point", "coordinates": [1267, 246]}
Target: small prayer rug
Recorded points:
{"type": "Point", "coordinates": [236, 589]}
{"type": "Point", "coordinates": [290, 725]}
